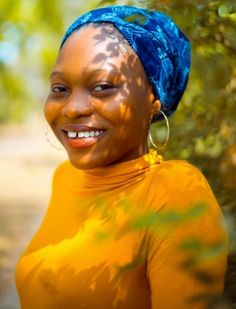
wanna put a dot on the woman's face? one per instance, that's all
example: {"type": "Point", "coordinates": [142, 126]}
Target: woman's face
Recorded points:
{"type": "Point", "coordinates": [100, 101]}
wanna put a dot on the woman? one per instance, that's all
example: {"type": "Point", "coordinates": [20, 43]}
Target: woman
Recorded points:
{"type": "Point", "coordinates": [124, 229]}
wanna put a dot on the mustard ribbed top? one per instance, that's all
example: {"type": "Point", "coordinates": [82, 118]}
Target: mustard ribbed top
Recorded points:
{"type": "Point", "coordinates": [142, 234]}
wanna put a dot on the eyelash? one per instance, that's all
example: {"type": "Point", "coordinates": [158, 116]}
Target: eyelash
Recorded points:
{"type": "Point", "coordinates": [105, 89]}
{"type": "Point", "coordinates": [61, 89]}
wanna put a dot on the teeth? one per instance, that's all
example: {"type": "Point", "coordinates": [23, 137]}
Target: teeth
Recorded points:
{"type": "Point", "coordinates": [72, 134]}
{"type": "Point", "coordinates": [83, 134]}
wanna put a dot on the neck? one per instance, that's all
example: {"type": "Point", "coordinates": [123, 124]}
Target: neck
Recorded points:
{"type": "Point", "coordinates": [137, 153]}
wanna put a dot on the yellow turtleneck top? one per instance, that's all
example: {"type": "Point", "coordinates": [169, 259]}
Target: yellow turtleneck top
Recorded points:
{"type": "Point", "coordinates": [140, 234]}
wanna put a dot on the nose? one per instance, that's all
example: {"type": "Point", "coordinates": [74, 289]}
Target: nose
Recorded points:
{"type": "Point", "coordinates": [77, 106]}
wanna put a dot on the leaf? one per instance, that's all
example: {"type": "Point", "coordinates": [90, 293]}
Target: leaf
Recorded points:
{"type": "Point", "coordinates": [225, 9]}
{"type": "Point", "coordinates": [200, 250]}
{"type": "Point", "coordinates": [107, 2]}
{"type": "Point", "coordinates": [191, 245]}
{"type": "Point", "coordinates": [196, 211]}
{"type": "Point", "coordinates": [102, 235]}
{"type": "Point", "coordinates": [210, 252]}
{"type": "Point", "coordinates": [146, 220]}
{"type": "Point", "coordinates": [136, 18]}
{"type": "Point", "coordinates": [172, 217]}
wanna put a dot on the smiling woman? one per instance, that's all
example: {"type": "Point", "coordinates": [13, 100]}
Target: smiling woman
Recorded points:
{"type": "Point", "coordinates": [124, 228]}
{"type": "Point", "coordinates": [110, 95]}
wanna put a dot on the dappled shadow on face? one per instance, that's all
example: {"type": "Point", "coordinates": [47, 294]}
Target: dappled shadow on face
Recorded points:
{"type": "Point", "coordinates": [116, 43]}
{"type": "Point", "coordinates": [126, 112]}
{"type": "Point", "coordinates": [116, 47]}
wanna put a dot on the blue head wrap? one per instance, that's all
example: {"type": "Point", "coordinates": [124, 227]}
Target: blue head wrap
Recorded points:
{"type": "Point", "coordinates": [160, 45]}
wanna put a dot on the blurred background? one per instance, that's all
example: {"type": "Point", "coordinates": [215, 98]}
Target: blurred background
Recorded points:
{"type": "Point", "coordinates": [203, 130]}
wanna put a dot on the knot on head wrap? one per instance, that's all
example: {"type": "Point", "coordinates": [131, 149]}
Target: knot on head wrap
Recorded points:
{"type": "Point", "coordinates": [160, 45]}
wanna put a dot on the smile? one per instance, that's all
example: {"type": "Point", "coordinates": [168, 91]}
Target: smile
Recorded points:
{"type": "Point", "coordinates": [84, 134]}
{"type": "Point", "coordinates": [80, 136]}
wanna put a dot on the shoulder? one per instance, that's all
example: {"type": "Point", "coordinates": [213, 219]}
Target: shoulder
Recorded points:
{"type": "Point", "coordinates": [179, 167]}
{"type": "Point", "coordinates": [178, 184]}
{"type": "Point", "coordinates": [181, 195]}
{"type": "Point", "coordinates": [176, 174]}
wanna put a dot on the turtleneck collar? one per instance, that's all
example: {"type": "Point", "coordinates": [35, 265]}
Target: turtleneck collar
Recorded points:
{"type": "Point", "coordinates": [121, 174]}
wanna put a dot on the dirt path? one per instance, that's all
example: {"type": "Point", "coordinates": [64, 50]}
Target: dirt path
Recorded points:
{"type": "Point", "coordinates": [26, 166]}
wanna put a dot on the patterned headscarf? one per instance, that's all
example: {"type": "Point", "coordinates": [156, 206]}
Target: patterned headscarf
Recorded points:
{"type": "Point", "coordinates": [160, 45]}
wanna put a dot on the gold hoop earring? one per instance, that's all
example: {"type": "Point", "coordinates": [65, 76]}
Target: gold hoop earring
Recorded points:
{"type": "Point", "coordinates": [49, 141]}
{"type": "Point", "coordinates": [167, 134]}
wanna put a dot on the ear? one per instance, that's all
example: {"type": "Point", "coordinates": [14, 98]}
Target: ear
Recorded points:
{"type": "Point", "coordinates": [155, 104]}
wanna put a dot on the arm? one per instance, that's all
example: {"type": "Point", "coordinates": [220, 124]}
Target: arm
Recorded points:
{"type": "Point", "coordinates": [188, 246]}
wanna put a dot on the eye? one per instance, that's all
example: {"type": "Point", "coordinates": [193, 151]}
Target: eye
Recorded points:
{"type": "Point", "coordinates": [103, 89]}
{"type": "Point", "coordinates": [57, 89]}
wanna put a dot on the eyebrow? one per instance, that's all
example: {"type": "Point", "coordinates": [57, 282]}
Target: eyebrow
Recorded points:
{"type": "Point", "coordinates": [55, 73]}
{"type": "Point", "coordinates": [112, 71]}
{"type": "Point", "coordinates": [85, 70]}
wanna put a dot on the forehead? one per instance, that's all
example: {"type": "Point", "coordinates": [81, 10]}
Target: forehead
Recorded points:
{"type": "Point", "coordinates": [97, 46]}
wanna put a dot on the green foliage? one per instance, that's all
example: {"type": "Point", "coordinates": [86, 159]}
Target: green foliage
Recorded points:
{"type": "Point", "coordinates": [168, 219]}
{"type": "Point", "coordinates": [226, 9]}
{"type": "Point", "coordinates": [136, 18]}
{"type": "Point", "coordinates": [203, 130]}
{"type": "Point", "coordinates": [201, 251]}
{"type": "Point", "coordinates": [30, 34]}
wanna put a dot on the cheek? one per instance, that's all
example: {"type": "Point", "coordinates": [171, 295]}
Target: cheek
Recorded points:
{"type": "Point", "coordinates": [127, 112]}
{"type": "Point", "coordinates": [119, 113]}
{"type": "Point", "coordinates": [120, 109]}
{"type": "Point", "coordinates": [116, 110]}
{"type": "Point", "coordinates": [51, 111]}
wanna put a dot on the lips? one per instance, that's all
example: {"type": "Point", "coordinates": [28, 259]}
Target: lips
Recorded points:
{"type": "Point", "coordinates": [81, 136]}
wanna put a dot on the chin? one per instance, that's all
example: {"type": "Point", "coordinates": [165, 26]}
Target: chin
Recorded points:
{"type": "Point", "coordinates": [90, 160]}
{"type": "Point", "coordinates": [84, 163]}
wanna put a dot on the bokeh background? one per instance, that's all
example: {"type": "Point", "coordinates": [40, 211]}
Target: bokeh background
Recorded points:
{"type": "Point", "coordinates": [203, 130]}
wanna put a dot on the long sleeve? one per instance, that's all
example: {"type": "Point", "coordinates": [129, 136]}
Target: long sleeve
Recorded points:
{"type": "Point", "coordinates": [95, 253]}
{"type": "Point", "coordinates": [188, 242]}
